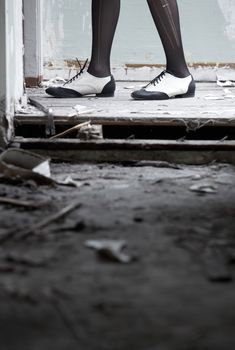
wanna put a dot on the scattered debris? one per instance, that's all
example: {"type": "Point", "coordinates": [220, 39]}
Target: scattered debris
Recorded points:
{"type": "Point", "coordinates": [129, 87]}
{"type": "Point", "coordinates": [213, 97]}
{"type": "Point", "coordinates": [111, 250]}
{"type": "Point", "coordinates": [70, 130]}
{"type": "Point", "coordinates": [17, 164]}
{"type": "Point", "coordinates": [26, 259]}
{"type": "Point", "coordinates": [225, 83]}
{"type": "Point", "coordinates": [79, 109]}
{"type": "Point", "coordinates": [25, 109]}
{"type": "Point", "coordinates": [91, 132]}
{"type": "Point", "coordinates": [228, 94]}
{"type": "Point", "coordinates": [24, 234]}
{"type": "Point", "coordinates": [53, 82]}
{"type": "Point", "coordinates": [203, 188]}
{"type": "Point", "coordinates": [69, 181]}
{"type": "Point", "coordinates": [154, 164]}
{"type": "Point", "coordinates": [20, 203]}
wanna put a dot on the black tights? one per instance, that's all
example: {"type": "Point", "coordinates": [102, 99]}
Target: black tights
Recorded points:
{"type": "Point", "coordinates": [105, 14]}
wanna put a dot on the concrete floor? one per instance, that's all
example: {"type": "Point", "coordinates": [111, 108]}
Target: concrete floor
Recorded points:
{"type": "Point", "coordinates": [178, 292]}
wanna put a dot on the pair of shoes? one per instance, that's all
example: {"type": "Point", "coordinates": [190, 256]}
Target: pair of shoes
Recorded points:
{"type": "Point", "coordinates": [166, 86]}
{"type": "Point", "coordinates": [163, 87]}
{"type": "Point", "coordinates": [83, 84]}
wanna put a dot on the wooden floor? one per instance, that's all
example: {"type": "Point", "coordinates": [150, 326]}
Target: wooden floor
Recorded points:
{"type": "Point", "coordinates": [212, 110]}
{"type": "Point", "coordinates": [212, 105]}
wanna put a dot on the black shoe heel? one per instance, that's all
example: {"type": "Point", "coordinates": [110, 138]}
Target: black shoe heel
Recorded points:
{"type": "Point", "coordinates": [190, 92]}
{"type": "Point", "coordinates": [111, 94]}
{"type": "Point", "coordinates": [109, 89]}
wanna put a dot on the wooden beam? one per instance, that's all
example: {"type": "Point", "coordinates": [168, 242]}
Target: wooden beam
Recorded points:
{"type": "Point", "coordinates": [11, 65]}
{"type": "Point", "coordinates": [187, 152]}
{"type": "Point", "coordinates": [33, 59]}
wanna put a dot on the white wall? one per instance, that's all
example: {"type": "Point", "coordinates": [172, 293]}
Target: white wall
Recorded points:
{"type": "Point", "coordinates": [208, 28]}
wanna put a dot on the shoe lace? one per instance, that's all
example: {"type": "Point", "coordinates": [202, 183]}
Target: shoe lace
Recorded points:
{"type": "Point", "coordinates": [79, 73]}
{"type": "Point", "coordinates": [158, 78]}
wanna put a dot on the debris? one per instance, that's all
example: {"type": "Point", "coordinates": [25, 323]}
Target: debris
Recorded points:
{"type": "Point", "coordinates": [225, 83]}
{"type": "Point", "coordinates": [53, 82]}
{"type": "Point", "coordinates": [70, 130]}
{"type": "Point", "coordinates": [90, 132]}
{"type": "Point", "coordinates": [129, 87]}
{"type": "Point", "coordinates": [26, 259]}
{"type": "Point", "coordinates": [79, 109]}
{"type": "Point", "coordinates": [50, 125]}
{"type": "Point", "coordinates": [110, 250]}
{"type": "Point", "coordinates": [159, 112]}
{"type": "Point", "coordinates": [17, 164]}
{"type": "Point", "coordinates": [155, 164]}
{"type": "Point", "coordinates": [203, 188]}
{"type": "Point", "coordinates": [215, 265]}
{"type": "Point", "coordinates": [213, 97]}
{"type": "Point", "coordinates": [20, 203]}
{"type": "Point", "coordinates": [69, 181]}
{"type": "Point", "coordinates": [23, 234]}
{"type": "Point", "coordinates": [25, 109]}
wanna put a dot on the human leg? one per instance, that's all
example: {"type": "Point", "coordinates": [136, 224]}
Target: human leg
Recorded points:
{"type": "Point", "coordinates": [105, 14]}
{"type": "Point", "coordinates": [176, 81]}
{"type": "Point", "coordinates": [98, 79]}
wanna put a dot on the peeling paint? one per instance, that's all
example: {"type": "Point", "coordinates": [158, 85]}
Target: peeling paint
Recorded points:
{"type": "Point", "coordinates": [228, 9]}
{"type": "Point", "coordinates": [68, 32]}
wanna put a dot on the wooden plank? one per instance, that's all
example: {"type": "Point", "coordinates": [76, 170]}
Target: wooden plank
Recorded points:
{"type": "Point", "coordinates": [11, 66]}
{"type": "Point", "coordinates": [33, 58]}
{"type": "Point", "coordinates": [188, 152]}
{"type": "Point", "coordinates": [128, 144]}
{"type": "Point", "coordinates": [212, 106]}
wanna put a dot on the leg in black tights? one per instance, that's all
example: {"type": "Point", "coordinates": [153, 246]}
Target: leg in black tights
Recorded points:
{"type": "Point", "coordinates": [98, 79]}
{"type": "Point", "coordinates": [166, 18]}
{"type": "Point", "coordinates": [175, 81]}
{"type": "Point", "coordinates": [105, 14]}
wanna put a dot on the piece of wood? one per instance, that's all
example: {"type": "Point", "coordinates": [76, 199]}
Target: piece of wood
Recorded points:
{"type": "Point", "coordinates": [25, 233]}
{"type": "Point", "coordinates": [188, 152]}
{"type": "Point", "coordinates": [107, 144]}
{"type": "Point", "coordinates": [20, 203]}
{"type": "Point", "coordinates": [70, 130]}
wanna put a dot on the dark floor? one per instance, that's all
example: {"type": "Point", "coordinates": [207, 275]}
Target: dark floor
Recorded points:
{"type": "Point", "coordinates": [178, 292]}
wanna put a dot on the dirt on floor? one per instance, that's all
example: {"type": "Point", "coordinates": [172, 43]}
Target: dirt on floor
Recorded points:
{"type": "Point", "coordinates": [172, 286]}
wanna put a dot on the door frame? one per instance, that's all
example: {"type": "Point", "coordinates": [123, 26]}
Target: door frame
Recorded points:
{"type": "Point", "coordinates": [33, 47]}
{"type": "Point", "coordinates": [11, 66]}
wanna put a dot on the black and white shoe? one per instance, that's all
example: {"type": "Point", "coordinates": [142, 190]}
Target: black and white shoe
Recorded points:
{"type": "Point", "coordinates": [166, 86]}
{"type": "Point", "coordinates": [83, 84]}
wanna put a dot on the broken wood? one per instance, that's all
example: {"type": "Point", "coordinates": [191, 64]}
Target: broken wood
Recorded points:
{"type": "Point", "coordinates": [20, 203]}
{"type": "Point", "coordinates": [71, 130]}
{"type": "Point", "coordinates": [188, 152]}
{"type": "Point", "coordinates": [25, 233]}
